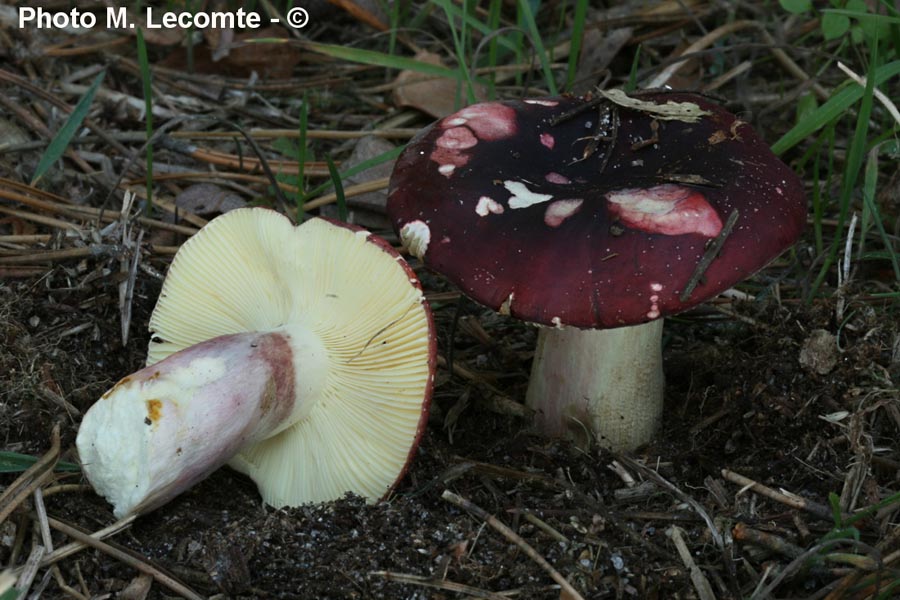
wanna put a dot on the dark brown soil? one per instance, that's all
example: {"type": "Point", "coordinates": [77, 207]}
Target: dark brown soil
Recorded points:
{"type": "Point", "coordinates": [737, 398]}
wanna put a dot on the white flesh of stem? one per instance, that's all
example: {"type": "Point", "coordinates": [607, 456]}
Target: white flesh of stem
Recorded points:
{"type": "Point", "coordinates": [605, 384]}
{"type": "Point", "coordinates": [168, 426]}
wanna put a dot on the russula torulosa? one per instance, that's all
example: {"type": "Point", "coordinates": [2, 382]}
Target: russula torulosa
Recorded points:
{"type": "Point", "coordinates": [594, 217]}
{"type": "Point", "coordinates": [302, 356]}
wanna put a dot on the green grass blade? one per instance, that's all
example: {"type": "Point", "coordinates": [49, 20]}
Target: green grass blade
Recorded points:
{"type": "Point", "coordinates": [493, 24]}
{"type": "Point", "coordinates": [531, 26]}
{"type": "Point", "coordinates": [887, 591]}
{"type": "Point", "coordinates": [861, 15]}
{"type": "Point", "coordinates": [144, 64]}
{"type": "Point", "coordinates": [817, 205]}
{"type": "Point", "coordinates": [851, 167]}
{"type": "Point", "coordinates": [833, 109]}
{"type": "Point", "coordinates": [834, 501]}
{"type": "Point", "coordinates": [13, 462]}
{"type": "Point", "coordinates": [343, 213]}
{"type": "Point", "coordinates": [394, 17]}
{"type": "Point", "coordinates": [578, 21]}
{"type": "Point", "coordinates": [10, 594]}
{"type": "Point", "coordinates": [891, 500]}
{"type": "Point", "coordinates": [459, 47]}
{"type": "Point", "coordinates": [632, 74]}
{"type": "Point", "coordinates": [484, 29]}
{"type": "Point", "coordinates": [62, 138]}
{"type": "Point", "coordinates": [359, 168]}
{"type": "Point", "coordinates": [869, 182]}
{"type": "Point", "coordinates": [380, 59]}
{"type": "Point", "coordinates": [301, 153]}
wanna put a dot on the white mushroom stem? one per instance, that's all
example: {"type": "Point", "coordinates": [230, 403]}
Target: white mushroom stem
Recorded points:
{"type": "Point", "coordinates": [169, 425]}
{"type": "Point", "coordinates": [604, 384]}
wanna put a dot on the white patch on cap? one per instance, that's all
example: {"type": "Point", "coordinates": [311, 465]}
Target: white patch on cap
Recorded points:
{"type": "Point", "coordinates": [653, 313]}
{"type": "Point", "coordinates": [560, 210]}
{"type": "Point", "coordinates": [658, 200]}
{"type": "Point", "coordinates": [457, 121]}
{"type": "Point", "coordinates": [416, 235]}
{"type": "Point", "coordinates": [487, 206]}
{"type": "Point", "coordinates": [446, 170]}
{"type": "Point", "coordinates": [541, 102]}
{"type": "Point", "coordinates": [557, 178]}
{"type": "Point", "coordinates": [522, 197]}
{"type": "Point", "coordinates": [557, 322]}
{"type": "Point", "coordinates": [456, 138]}
{"type": "Point", "coordinates": [548, 140]}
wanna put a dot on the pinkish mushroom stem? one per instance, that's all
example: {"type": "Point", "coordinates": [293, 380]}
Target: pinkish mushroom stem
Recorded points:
{"type": "Point", "coordinates": [195, 410]}
{"type": "Point", "coordinates": [603, 384]}
{"type": "Point", "coordinates": [301, 356]}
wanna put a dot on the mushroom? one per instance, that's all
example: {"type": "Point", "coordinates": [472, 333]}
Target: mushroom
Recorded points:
{"type": "Point", "coordinates": [302, 356]}
{"type": "Point", "coordinates": [595, 217]}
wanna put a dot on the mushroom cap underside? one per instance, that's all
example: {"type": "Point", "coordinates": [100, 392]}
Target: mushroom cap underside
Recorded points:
{"type": "Point", "coordinates": [525, 217]}
{"type": "Point", "coordinates": [252, 270]}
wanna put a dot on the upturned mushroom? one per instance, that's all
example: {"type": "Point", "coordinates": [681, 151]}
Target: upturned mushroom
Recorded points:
{"type": "Point", "coordinates": [302, 356]}
{"type": "Point", "coordinates": [595, 217]}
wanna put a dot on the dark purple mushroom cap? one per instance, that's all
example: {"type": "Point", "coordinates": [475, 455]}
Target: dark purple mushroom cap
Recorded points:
{"type": "Point", "coordinates": [515, 211]}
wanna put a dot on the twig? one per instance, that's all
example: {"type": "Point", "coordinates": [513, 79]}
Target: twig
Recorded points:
{"type": "Point", "coordinates": [819, 510]}
{"type": "Point", "coordinates": [75, 547]}
{"type": "Point", "coordinates": [727, 76]}
{"type": "Point", "coordinates": [709, 255]}
{"type": "Point", "coordinates": [53, 99]}
{"type": "Point", "coordinates": [790, 66]}
{"type": "Point", "coordinates": [697, 507]}
{"type": "Point", "coordinates": [41, 512]}
{"type": "Point", "coordinates": [663, 77]}
{"type": "Point", "coordinates": [795, 566]}
{"type": "Point", "coordinates": [494, 400]}
{"type": "Point", "coordinates": [742, 533]}
{"type": "Point", "coordinates": [626, 477]}
{"type": "Point", "coordinates": [29, 571]}
{"type": "Point", "coordinates": [701, 584]}
{"type": "Point", "coordinates": [86, 212]}
{"type": "Point", "coordinates": [353, 190]}
{"type": "Point", "coordinates": [545, 527]}
{"type": "Point", "coordinates": [133, 562]}
{"type": "Point", "coordinates": [512, 536]}
{"type": "Point", "coordinates": [259, 134]}
{"type": "Point", "coordinates": [43, 220]}
{"type": "Point", "coordinates": [94, 250]}
{"type": "Point", "coordinates": [439, 584]}
{"type": "Point", "coordinates": [852, 578]}
{"type": "Point", "coordinates": [31, 479]}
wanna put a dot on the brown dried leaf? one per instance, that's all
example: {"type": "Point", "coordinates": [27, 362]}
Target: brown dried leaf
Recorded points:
{"type": "Point", "coordinates": [368, 209]}
{"type": "Point", "coordinates": [598, 50]}
{"type": "Point", "coordinates": [208, 199]}
{"type": "Point", "coordinates": [435, 96]}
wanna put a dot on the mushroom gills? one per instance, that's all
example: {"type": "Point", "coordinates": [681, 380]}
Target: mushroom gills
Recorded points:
{"type": "Point", "coordinates": [303, 356]}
